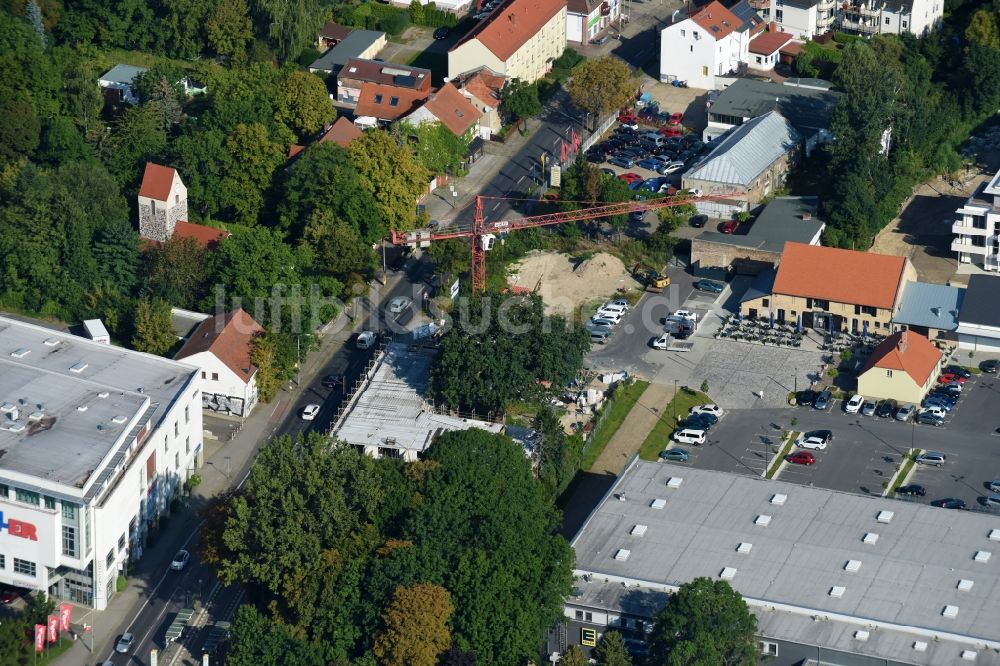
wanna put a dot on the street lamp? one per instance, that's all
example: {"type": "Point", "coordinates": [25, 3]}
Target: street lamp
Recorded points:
{"type": "Point", "coordinates": [673, 404]}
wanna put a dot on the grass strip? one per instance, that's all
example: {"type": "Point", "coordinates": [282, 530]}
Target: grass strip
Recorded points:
{"type": "Point", "coordinates": [615, 411]}
{"type": "Point", "coordinates": [659, 437]}
{"type": "Point", "coordinates": [778, 459]}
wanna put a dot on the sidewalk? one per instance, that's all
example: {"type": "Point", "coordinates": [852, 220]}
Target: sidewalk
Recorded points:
{"type": "Point", "coordinates": [227, 463]}
{"type": "Point", "coordinates": [634, 429]}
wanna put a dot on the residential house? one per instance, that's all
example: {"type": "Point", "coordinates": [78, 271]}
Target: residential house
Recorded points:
{"type": "Point", "coordinates": [709, 42]}
{"type": "Point", "coordinates": [449, 107]}
{"type": "Point", "coordinates": [979, 317]}
{"type": "Point", "coordinates": [976, 228]}
{"type": "Point", "coordinates": [891, 17]}
{"type": "Point", "coordinates": [331, 34]}
{"type": "Point", "coordinates": [379, 103]}
{"type": "Point", "coordinates": [806, 104]}
{"type": "Point", "coordinates": [803, 18]}
{"type": "Point", "coordinates": [747, 163]}
{"type": "Point", "coordinates": [220, 348]}
{"type": "Point", "coordinates": [483, 88]}
{"type": "Point", "coordinates": [930, 309]}
{"type": "Point", "coordinates": [358, 71]}
{"type": "Point", "coordinates": [783, 219]}
{"type": "Point", "coordinates": [342, 132]}
{"type": "Point", "coordinates": [364, 44]}
{"type": "Point", "coordinates": [163, 210]}
{"type": "Point", "coordinates": [519, 40]}
{"type": "Point", "coordinates": [587, 20]}
{"type": "Point", "coordinates": [902, 367]}
{"type": "Point", "coordinates": [830, 289]}
{"type": "Point", "coordinates": [116, 83]}
{"type": "Point", "coordinates": [766, 50]}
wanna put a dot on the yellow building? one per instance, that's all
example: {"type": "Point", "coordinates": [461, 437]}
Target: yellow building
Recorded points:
{"type": "Point", "coordinates": [519, 40]}
{"type": "Point", "coordinates": [830, 289]}
{"type": "Point", "coordinates": [902, 368]}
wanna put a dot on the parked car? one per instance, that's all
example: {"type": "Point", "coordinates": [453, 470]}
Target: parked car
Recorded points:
{"type": "Point", "coordinates": [608, 172]}
{"type": "Point", "coordinates": [801, 458]}
{"type": "Point", "coordinates": [689, 436]}
{"type": "Point", "coordinates": [951, 378]}
{"type": "Point", "coordinates": [124, 643]}
{"type": "Point", "coordinates": [868, 409]}
{"type": "Point", "coordinates": [990, 366]}
{"type": "Point", "coordinates": [929, 418]}
{"type": "Point", "coordinates": [671, 131]}
{"type": "Point", "coordinates": [650, 163]}
{"type": "Point", "coordinates": [911, 490]}
{"type": "Point", "coordinates": [992, 501]}
{"type": "Point", "coordinates": [710, 286]}
{"type": "Point", "coordinates": [822, 400]}
{"type": "Point", "coordinates": [958, 370]}
{"type": "Point", "coordinates": [729, 226]}
{"type": "Point", "coordinates": [309, 412]}
{"type": "Point", "coordinates": [618, 303]}
{"type": "Point", "coordinates": [623, 162]}
{"type": "Point", "coordinates": [933, 410]}
{"type": "Point", "coordinates": [599, 337]}
{"type": "Point", "coordinates": [885, 409]}
{"type": "Point", "coordinates": [698, 221]}
{"type": "Point", "coordinates": [949, 503]}
{"type": "Point", "coordinates": [630, 177]}
{"type": "Point", "coordinates": [934, 458]}
{"type": "Point", "coordinates": [707, 418]}
{"type": "Point", "coordinates": [685, 314]}
{"type": "Point", "coordinates": [673, 167]}
{"type": "Point", "coordinates": [810, 441]}
{"type": "Point", "coordinates": [332, 381]}
{"type": "Point", "coordinates": [995, 486]}
{"type": "Point", "coordinates": [675, 455]}
{"type": "Point", "coordinates": [853, 406]}
{"type": "Point", "coordinates": [365, 340]}
{"type": "Point", "coordinates": [714, 410]}
{"type": "Point", "coordinates": [633, 125]}
{"type": "Point", "coordinates": [442, 33]}
{"type": "Point", "coordinates": [953, 388]}
{"type": "Point", "coordinates": [399, 304]}
{"type": "Point", "coordinates": [905, 413]}
{"type": "Point", "coordinates": [180, 561]}
{"type": "Point", "coordinates": [676, 118]}
{"type": "Point", "coordinates": [627, 119]}
{"type": "Point", "coordinates": [596, 156]}
{"type": "Point", "coordinates": [661, 342]}
{"type": "Point", "coordinates": [805, 398]}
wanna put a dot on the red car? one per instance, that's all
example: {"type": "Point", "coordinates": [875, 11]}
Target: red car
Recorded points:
{"type": "Point", "coordinates": [950, 377]}
{"type": "Point", "coordinates": [627, 119]}
{"type": "Point", "coordinates": [670, 131]}
{"type": "Point", "coordinates": [676, 118]}
{"type": "Point", "coordinates": [801, 458]}
{"type": "Point", "coordinates": [630, 177]}
{"type": "Point", "coordinates": [729, 226]}
{"type": "Point", "coordinates": [9, 595]}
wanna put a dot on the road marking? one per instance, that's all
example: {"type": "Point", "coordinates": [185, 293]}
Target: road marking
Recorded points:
{"type": "Point", "coordinates": [520, 179]}
{"type": "Point", "coordinates": [496, 206]}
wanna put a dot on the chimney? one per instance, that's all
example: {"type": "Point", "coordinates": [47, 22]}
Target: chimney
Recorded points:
{"type": "Point", "coordinates": [901, 345]}
{"type": "Point", "coordinates": [807, 215]}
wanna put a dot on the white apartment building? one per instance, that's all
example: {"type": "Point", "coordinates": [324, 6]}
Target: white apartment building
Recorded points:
{"type": "Point", "coordinates": [710, 42]}
{"type": "Point", "coordinates": [977, 228]}
{"type": "Point", "coordinates": [96, 441]}
{"type": "Point", "coordinates": [804, 19]}
{"type": "Point", "coordinates": [883, 17]}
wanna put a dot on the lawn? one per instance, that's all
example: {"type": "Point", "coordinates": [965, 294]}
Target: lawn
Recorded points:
{"type": "Point", "coordinates": [616, 409]}
{"type": "Point", "coordinates": [777, 460]}
{"type": "Point", "coordinates": [659, 437]}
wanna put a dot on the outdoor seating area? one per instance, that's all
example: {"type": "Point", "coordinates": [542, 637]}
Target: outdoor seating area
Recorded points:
{"type": "Point", "coordinates": [856, 342]}
{"type": "Point", "coordinates": [764, 331]}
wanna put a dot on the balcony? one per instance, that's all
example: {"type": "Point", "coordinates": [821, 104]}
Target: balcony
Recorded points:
{"type": "Point", "coordinates": [969, 228]}
{"type": "Point", "coordinates": [826, 5]}
{"type": "Point", "coordinates": [963, 245]}
{"type": "Point", "coordinates": [856, 26]}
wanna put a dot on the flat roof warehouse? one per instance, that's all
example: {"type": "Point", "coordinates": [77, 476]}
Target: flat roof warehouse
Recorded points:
{"type": "Point", "coordinates": [888, 578]}
{"type": "Point", "coordinates": [70, 406]}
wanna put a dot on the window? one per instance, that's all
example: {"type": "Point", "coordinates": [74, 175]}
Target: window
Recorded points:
{"type": "Point", "coordinates": [393, 101]}
{"type": "Point", "coordinates": [794, 313]}
{"type": "Point", "coordinates": [4, 490]}
{"type": "Point", "coordinates": [378, 99]}
{"type": "Point", "coordinates": [589, 617]}
{"type": "Point", "coordinates": [187, 445]}
{"type": "Point", "coordinates": [579, 615]}
{"type": "Point", "coordinates": [779, 15]}
{"type": "Point", "coordinates": [704, 71]}
{"type": "Point", "coordinates": [692, 49]}
{"type": "Point", "coordinates": [887, 20]}
{"type": "Point", "coordinates": [904, 24]}
{"type": "Point", "coordinates": [694, 33]}
{"type": "Point", "coordinates": [177, 430]}
{"type": "Point", "coordinates": [683, 33]}
{"type": "Point", "coordinates": [768, 648]}
{"type": "Point", "coordinates": [50, 502]}
{"type": "Point", "coordinates": [215, 376]}
{"type": "Point", "coordinates": [766, 302]}
{"type": "Point", "coordinates": [857, 309]}
{"type": "Point", "coordinates": [758, 60]}
{"type": "Point", "coordinates": [177, 461]}
{"type": "Point", "coordinates": [187, 414]}
{"type": "Point", "coordinates": [24, 567]}
{"type": "Point", "coordinates": [69, 541]}
{"type": "Point", "coordinates": [888, 373]}
{"type": "Point", "coordinates": [110, 559]}
{"type": "Point", "coordinates": [26, 496]}
{"type": "Point", "coordinates": [3, 561]}
{"type": "Point", "coordinates": [177, 198]}
{"type": "Point", "coordinates": [204, 375]}
{"type": "Point", "coordinates": [121, 541]}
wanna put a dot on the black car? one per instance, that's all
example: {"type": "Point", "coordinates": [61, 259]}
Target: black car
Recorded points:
{"type": "Point", "coordinates": [609, 172]}
{"type": "Point", "coordinates": [698, 221]}
{"type": "Point", "coordinates": [991, 366]}
{"type": "Point", "coordinates": [825, 435]}
{"type": "Point", "coordinates": [959, 371]}
{"type": "Point", "coordinates": [332, 381]}
{"type": "Point", "coordinates": [805, 398]}
{"type": "Point", "coordinates": [886, 409]}
{"type": "Point", "coordinates": [596, 156]}
{"type": "Point", "coordinates": [703, 421]}
{"type": "Point", "coordinates": [911, 490]}
{"type": "Point", "coordinates": [949, 503]}
{"type": "Point", "coordinates": [441, 33]}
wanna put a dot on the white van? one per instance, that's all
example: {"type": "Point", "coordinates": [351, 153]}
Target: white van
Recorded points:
{"type": "Point", "coordinates": [689, 436]}
{"type": "Point", "coordinates": [365, 340]}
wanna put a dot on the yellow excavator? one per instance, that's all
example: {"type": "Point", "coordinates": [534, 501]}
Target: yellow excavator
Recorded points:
{"type": "Point", "coordinates": [654, 281]}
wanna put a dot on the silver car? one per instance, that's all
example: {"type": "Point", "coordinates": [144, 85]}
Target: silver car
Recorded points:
{"type": "Point", "coordinates": [931, 458]}
{"type": "Point", "coordinates": [905, 413]}
{"type": "Point", "coordinates": [125, 643]}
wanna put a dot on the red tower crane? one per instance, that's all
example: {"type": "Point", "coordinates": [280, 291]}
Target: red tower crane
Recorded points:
{"type": "Point", "coordinates": [483, 233]}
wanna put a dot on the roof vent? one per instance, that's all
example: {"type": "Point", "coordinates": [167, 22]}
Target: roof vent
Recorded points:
{"type": "Point", "coordinates": [807, 215]}
{"type": "Point", "coordinates": [79, 367]}
{"type": "Point", "coordinates": [674, 482]}
{"type": "Point", "coordinates": [885, 516]}
{"type": "Point", "coordinates": [852, 566]}
{"type": "Point", "coordinates": [920, 646]}
{"type": "Point", "coordinates": [119, 419]}
{"type": "Point", "coordinates": [779, 499]}
{"type": "Point", "coordinates": [982, 556]}
{"type": "Point", "coordinates": [7, 408]}
{"type": "Point", "coordinates": [638, 530]}
{"type": "Point", "coordinates": [103, 394]}
{"type": "Point", "coordinates": [744, 547]}
{"type": "Point", "coordinates": [82, 408]}
{"type": "Point", "coordinates": [969, 655]}
{"type": "Point", "coordinates": [20, 352]}
{"type": "Point", "coordinates": [837, 591]}
{"type": "Point", "coordinates": [622, 554]}
{"type": "Point", "coordinates": [727, 573]}
{"type": "Point", "coordinates": [658, 503]}
{"type": "Point", "coordinates": [36, 416]}
{"type": "Point", "coordinates": [763, 520]}
{"type": "Point", "coordinates": [950, 611]}
{"type": "Point", "coordinates": [861, 635]}
{"type": "Point", "coordinates": [994, 535]}
{"type": "Point", "coordinates": [870, 538]}
{"type": "Point", "coordinates": [51, 342]}
{"type": "Point", "coordinates": [965, 584]}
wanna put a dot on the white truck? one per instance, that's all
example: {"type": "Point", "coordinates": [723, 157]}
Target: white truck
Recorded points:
{"type": "Point", "coordinates": [668, 342]}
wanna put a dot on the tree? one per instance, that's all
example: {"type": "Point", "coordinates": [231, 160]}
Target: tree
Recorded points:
{"type": "Point", "coordinates": [34, 14]}
{"type": "Point", "coordinates": [255, 265]}
{"type": "Point", "coordinates": [200, 156]}
{"type": "Point", "coordinates": [983, 29]}
{"type": "Point", "coordinates": [289, 26]}
{"type": "Point", "coordinates": [16, 647]}
{"type": "Point", "coordinates": [250, 162]}
{"type": "Point", "coordinates": [438, 148]}
{"type": "Point", "coordinates": [601, 85]}
{"type": "Point", "coordinates": [262, 355]}
{"type": "Point", "coordinates": [558, 455]}
{"type": "Point", "coordinates": [116, 251]}
{"type": "Point", "coordinates": [152, 327]}
{"type": "Point", "coordinates": [520, 99]}
{"type": "Point", "coordinates": [339, 247]}
{"type": "Point", "coordinates": [177, 271]}
{"type": "Point", "coordinates": [574, 657]}
{"type": "Point", "coordinates": [260, 641]}
{"type": "Point", "coordinates": [704, 622]}
{"type": "Point", "coordinates": [181, 27]}
{"type": "Point", "coordinates": [451, 256]}
{"type": "Point", "coordinates": [137, 137]}
{"type": "Point", "coordinates": [303, 103]}
{"type": "Point", "coordinates": [610, 651]}
{"type": "Point", "coordinates": [415, 629]}
{"type": "Point", "coordinates": [229, 29]}
{"type": "Point", "coordinates": [392, 175]}
{"type": "Point", "coordinates": [20, 128]}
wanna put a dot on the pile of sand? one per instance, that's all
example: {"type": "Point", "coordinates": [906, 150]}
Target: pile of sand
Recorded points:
{"type": "Point", "coordinates": [565, 289]}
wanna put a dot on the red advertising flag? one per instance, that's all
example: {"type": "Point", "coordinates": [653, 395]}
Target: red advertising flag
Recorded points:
{"type": "Point", "coordinates": [53, 628]}
{"type": "Point", "coordinates": [576, 140]}
{"type": "Point", "coordinates": [65, 616]}
{"type": "Point", "coordinates": [562, 152]}
{"type": "Point", "coordinates": [39, 637]}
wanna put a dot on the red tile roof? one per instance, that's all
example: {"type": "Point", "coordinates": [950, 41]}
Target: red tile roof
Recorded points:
{"type": "Point", "coordinates": [341, 132]}
{"type": "Point", "coordinates": [376, 100]}
{"type": "Point", "coordinates": [227, 336]}
{"type": "Point", "coordinates": [294, 150]}
{"type": "Point", "coordinates": [156, 182]}
{"type": "Point", "coordinates": [206, 237]}
{"type": "Point", "coordinates": [842, 276]}
{"type": "Point", "coordinates": [792, 49]}
{"type": "Point", "coordinates": [512, 24]}
{"type": "Point", "coordinates": [485, 85]}
{"type": "Point", "coordinates": [769, 42]}
{"type": "Point", "coordinates": [717, 21]}
{"type": "Point", "coordinates": [453, 110]}
{"type": "Point", "coordinates": [907, 351]}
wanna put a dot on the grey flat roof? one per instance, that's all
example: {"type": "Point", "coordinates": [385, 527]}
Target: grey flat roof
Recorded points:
{"type": "Point", "coordinates": [780, 221]}
{"type": "Point", "coordinates": [743, 153]}
{"type": "Point", "coordinates": [762, 285]}
{"type": "Point", "coordinates": [903, 582]}
{"type": "Point", "coordinates": [393, 407]}
{"type": "Point", "coordinates": [930, 305]}
{"type": "Point", "coordinates": [352, 46]}
{"type": "Point", "coordinates": [805, 107]}
{"type": "Point", "coordinates": [122, 73]}
{"type": "Point", "coordinates": [54, 375]}
{"type": "Point", "coordinates": [980, 303]}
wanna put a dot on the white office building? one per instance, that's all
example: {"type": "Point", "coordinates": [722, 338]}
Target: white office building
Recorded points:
{"type": "Point", "coordinates": [95, 441]}
{"type": "Point", "coordinates": [976, 228]}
